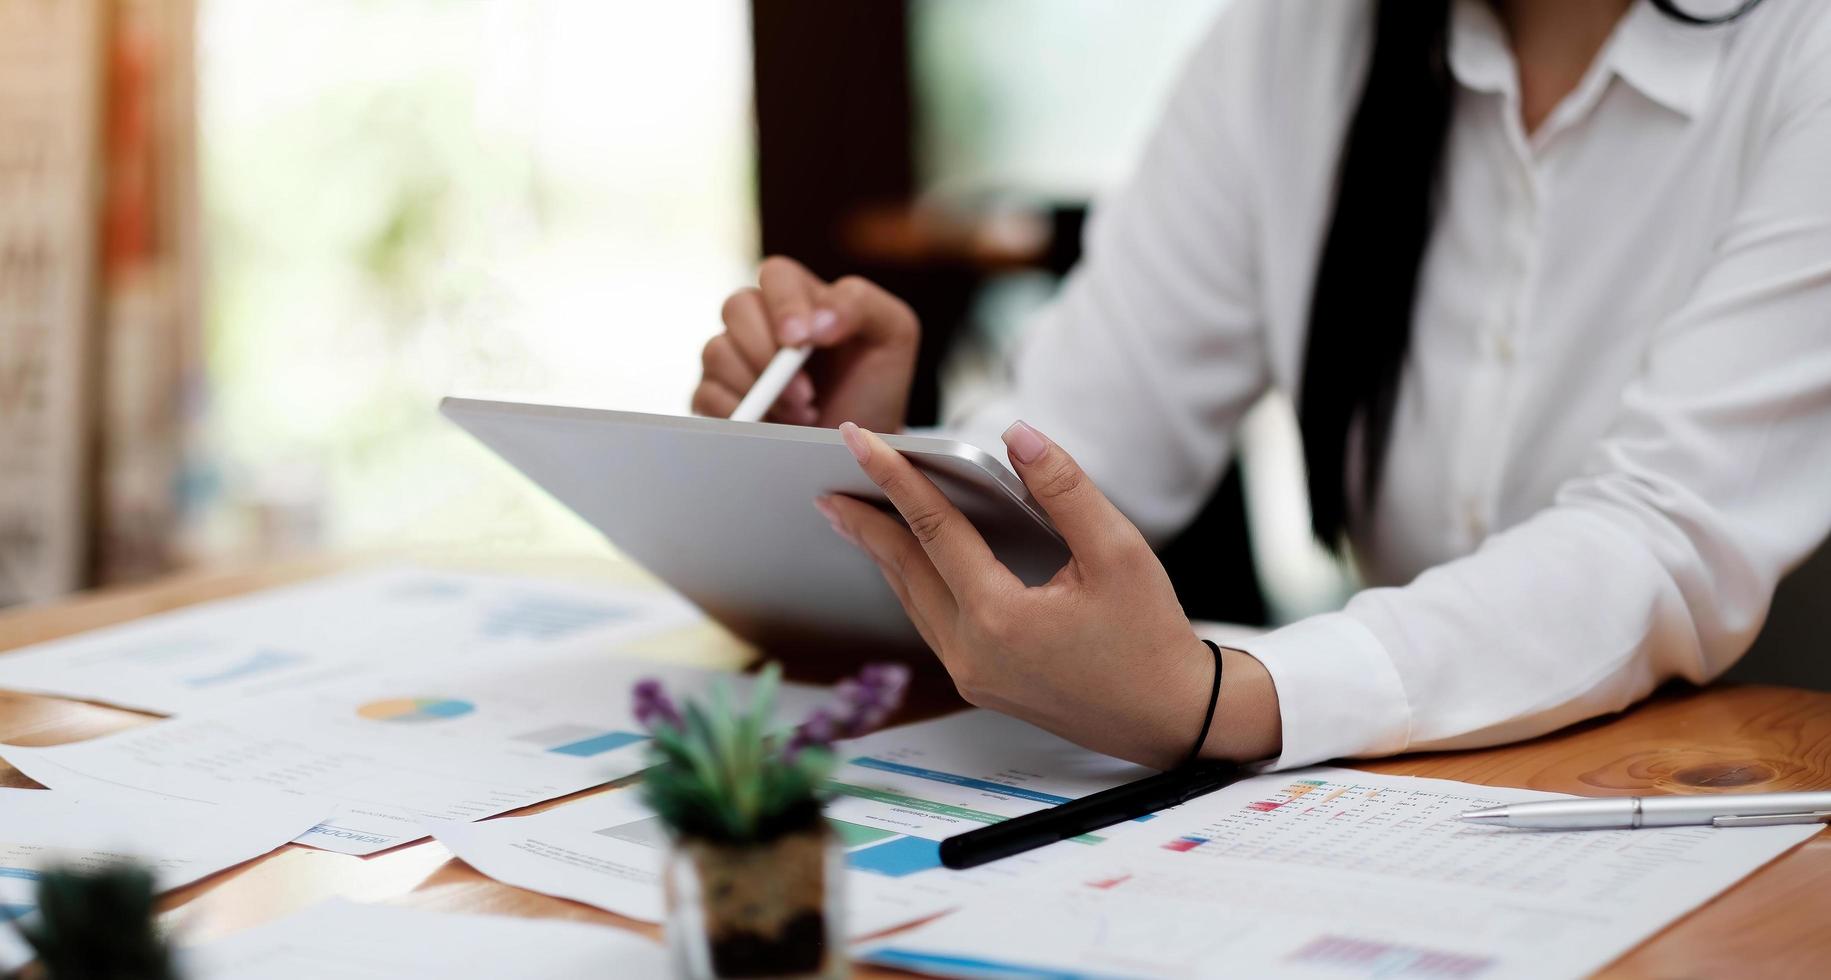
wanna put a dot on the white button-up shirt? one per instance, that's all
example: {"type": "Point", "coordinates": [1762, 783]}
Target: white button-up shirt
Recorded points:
{"type": "Point", "coordinates": [1614, 428]}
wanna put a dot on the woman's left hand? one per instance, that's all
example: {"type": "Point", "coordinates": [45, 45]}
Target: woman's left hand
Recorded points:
{"type": "Point", "coordinates": [1102, 654]}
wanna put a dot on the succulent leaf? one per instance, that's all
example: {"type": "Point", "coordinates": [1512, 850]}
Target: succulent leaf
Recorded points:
{"type": "Point", "coordinates": [722, 771]}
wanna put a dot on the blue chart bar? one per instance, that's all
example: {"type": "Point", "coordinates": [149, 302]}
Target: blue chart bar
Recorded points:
{"type": "Point", "coordinates": [260, 662]}
{"type": "Point", "coordinates": [597, 744]}
{"type": "Point", "coordinates": [965, 966]}
{"type": "Point", "coordinates": [26, 874]}
{"type": "Point", "coordinates": [546, 618]}
{"type": "Point", "coordinates": [10, 912]}
{"type": "Point", "coordinates": [987, 785]}
{"type": "Point", "coordinates": [903, 856]}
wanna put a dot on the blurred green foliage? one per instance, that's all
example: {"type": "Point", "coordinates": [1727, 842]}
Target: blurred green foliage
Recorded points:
{"type": "Point", "coordinates": [98, 925]}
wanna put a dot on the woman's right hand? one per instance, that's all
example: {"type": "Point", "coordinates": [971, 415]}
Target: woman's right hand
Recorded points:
{"type": "Point", "coordinates": [864, 343]}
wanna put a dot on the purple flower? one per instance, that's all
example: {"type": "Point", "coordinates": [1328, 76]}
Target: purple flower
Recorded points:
{"type": "Point", "coordinates": [820, 728]}
{"type": "Point", "coordinates": [654, 709]}
{"type": "Point", "coordinates": [865, 703]}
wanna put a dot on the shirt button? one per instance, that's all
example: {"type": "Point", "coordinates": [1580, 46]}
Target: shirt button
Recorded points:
{"type": "Point", "coordinates": [1478, 525]}
{"type": "Point", "coordinates": [1503, 348]}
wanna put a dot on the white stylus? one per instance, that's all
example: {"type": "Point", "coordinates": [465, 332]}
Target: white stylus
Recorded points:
{"type": "Point", "coordinates": [775, 377]}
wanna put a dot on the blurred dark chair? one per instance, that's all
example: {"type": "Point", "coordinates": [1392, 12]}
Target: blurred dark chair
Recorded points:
{"type": "Point", "coordinates": [1794, 647]}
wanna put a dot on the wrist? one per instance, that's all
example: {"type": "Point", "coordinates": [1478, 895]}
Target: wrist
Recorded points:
{"type": "Point", "coordinates": [1167, 715]}
{"type": "Point", "coordinates": [1247, 725]}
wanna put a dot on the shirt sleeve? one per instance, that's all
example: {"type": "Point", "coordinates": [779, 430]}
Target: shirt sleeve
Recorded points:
{"type": "Point", "coordinates": [1661, 558]}
{"type": "Point", "coordinates": [1145, 362]}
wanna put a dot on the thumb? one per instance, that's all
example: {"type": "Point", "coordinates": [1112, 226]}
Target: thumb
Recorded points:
{"type": "Point", "coordinates": [1095, 531]}
{"type": "Point", "coordinates": [788, 291]}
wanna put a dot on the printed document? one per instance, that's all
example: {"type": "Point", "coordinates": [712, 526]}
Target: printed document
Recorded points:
{"type": "Point", "coordinates": [291, 639]}
{"type": "Point", "coordinates": [342, 940]}
{"type": "Point", "coordinates": [178, 841]}
{"type": "Point", "coordinates": [392, 750]}
{"type": "Point", "coordinates": [899, 793]}
{"type": "Point", "coordinates": [1337, 873]}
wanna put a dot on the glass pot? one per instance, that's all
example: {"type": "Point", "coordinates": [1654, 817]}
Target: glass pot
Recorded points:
{"type": "Point", "coordinates": [766, 909]}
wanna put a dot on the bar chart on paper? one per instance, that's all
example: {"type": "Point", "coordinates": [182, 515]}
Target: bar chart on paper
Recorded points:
{"type": "Point", "coordinates": [502, 719]}
{"type": "Point", "coordinates": [18, 892]}
{"type": "Point", "coordinates": [258, 663]}
{"type": "Point", "coordinates": [579, 741]}
{"type": "Point", "coordinates": [540, 617]}
{"type": "Point", "coordinates": [1412, 833]}
{"type": "Point", "coordinates": [1310, 797]}
{"type": "Point", "coordinates": [898, 795]}
{"type": "Point", "coordinates": [389, 750]}
{"type": "Point", "coordinates": [320, 633]}
{"type": "Point", "coordinates": [877, 838]}
{"type": "Point", "coordinates": [1331, 872]}
{"type": "Point", "coordinates": [886, 800]}
{"type": "Point", "coordinates": [1093, 936]}
{"type": "Point", "coordinates": [894, 803]}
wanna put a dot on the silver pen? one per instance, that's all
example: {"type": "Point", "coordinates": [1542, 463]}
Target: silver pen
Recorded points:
{"type": "Point", "coordinates": [1619, 813]}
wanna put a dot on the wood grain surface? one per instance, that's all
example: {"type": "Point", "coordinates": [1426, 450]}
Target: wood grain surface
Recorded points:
{"type": "Point", "coordinates": [1775, 923]}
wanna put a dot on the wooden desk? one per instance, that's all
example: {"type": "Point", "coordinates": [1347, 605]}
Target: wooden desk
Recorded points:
{"type": "Point", "coordinates": [1731, 739]}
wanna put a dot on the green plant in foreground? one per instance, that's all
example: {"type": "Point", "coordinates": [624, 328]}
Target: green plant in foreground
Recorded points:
{"type": "Point", "coordinates": [98, 926]}
{"type": "Point", "coordinates": [720, 773]}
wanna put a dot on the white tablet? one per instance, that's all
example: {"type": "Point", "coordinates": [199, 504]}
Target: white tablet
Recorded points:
{"type": "Point", "coordinates": [724, 512]}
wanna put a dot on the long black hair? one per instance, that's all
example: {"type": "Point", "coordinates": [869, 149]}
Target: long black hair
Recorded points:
{"type": "Point", "coordinates": [1366, 282]}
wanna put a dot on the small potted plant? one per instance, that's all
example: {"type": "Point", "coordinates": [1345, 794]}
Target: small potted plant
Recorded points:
{"type": "Point", "coordinates": [96, 923]}
{"type": "Point", "coordinates": [753, 878]}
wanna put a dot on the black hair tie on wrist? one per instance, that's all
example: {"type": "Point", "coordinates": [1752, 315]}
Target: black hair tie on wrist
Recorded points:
{"type": "Point", "coordinates": [1214, 697]}
{"type": "Point", "coordinates": [1671, 9]}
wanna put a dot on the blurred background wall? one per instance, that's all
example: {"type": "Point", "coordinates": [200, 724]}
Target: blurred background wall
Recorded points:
{"type": "Point", "coordinates": [99, 276]}
{"type": "Point", "coordinates": [246, 245]}
{"type": "Point", "coordinates": [50, 70]}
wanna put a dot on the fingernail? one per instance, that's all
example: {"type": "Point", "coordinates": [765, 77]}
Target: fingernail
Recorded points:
{"type": "Point", "coordinates": [794, 331]}
{"type": "Point", "coordinates": [855, 441]}
{"type": "Point", "coordinates": [825, 322]}
{"type": "Point", "coordinates": [831, 513]}
{"type": "Point", "coordinates": [1025, 443]}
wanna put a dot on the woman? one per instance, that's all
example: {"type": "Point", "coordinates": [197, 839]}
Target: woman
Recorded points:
{"type": "Point", "coordinates": [1551, 280]}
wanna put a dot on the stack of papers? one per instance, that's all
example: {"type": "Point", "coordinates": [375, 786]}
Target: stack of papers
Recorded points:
{"type": "Point", "coordinates": [358, 713]}
{"type": "Point", "coordinates": [387, 751]}
{"type": "Point", "coordinates": [392, 697]}
{"type": "Point", "coordinates": [343, 713]}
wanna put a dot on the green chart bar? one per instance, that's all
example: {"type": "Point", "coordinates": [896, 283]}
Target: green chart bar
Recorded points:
{"type": "Point", "coordinates": [930, 806]}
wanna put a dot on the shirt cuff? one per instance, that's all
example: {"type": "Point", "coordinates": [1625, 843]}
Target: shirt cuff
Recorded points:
{"type": "Point", "coordinates": [1338, 693]}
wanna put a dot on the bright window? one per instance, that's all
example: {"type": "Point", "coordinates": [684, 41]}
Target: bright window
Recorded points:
{"type": "Point", "coordinates": [538, 199]}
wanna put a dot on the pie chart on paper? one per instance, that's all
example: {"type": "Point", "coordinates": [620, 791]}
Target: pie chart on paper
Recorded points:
{"type": "Point", "coordinates": [415, 709]}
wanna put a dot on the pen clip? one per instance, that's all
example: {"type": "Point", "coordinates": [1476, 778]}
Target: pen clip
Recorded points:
{"type": "Point", "coordinates": [1773, 819]}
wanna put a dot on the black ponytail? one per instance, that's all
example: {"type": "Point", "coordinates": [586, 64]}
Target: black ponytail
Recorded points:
{"type": "Point", "coordinates": [1366, 283]}
{"type": "Point", "coordinates": [1367, 279]}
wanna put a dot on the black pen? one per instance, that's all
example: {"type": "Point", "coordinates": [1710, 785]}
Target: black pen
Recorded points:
{"type": "Point", "coordinates": [1085, 815]}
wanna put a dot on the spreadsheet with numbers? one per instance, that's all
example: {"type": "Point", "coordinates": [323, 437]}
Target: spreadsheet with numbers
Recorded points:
{"type": "Point", "coordinates": [1332, 872]}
